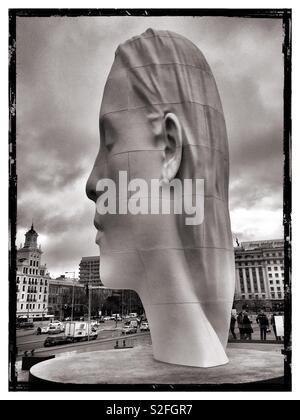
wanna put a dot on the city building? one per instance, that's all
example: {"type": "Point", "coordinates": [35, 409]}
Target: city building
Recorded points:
{"type": "Point", "coordinates": [107, 300]}
{"type": "Point", "coordinates": [63, 292]}
{"type": "Point", "coordinates": [32, 279]}
{"type": "Point", "coordinates": [259, 268]}
{"type": "Point", "coordinates": [89, 271]}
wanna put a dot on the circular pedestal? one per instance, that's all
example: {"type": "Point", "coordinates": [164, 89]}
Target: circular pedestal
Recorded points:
{"type": "Point", "coordinates": [137, 366]}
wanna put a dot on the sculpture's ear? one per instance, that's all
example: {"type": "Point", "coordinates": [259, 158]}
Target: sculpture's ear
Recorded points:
{"type": "Point", "coordinates": [173, 147]}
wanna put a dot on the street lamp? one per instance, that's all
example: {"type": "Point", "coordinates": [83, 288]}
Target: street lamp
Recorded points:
{"type": "Point", "coordinates": [72, 272]}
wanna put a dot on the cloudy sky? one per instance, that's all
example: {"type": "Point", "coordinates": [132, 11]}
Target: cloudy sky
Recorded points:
{"type": "Point", "coordinates": [62, 65]}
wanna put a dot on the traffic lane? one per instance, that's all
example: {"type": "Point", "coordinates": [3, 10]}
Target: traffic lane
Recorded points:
{"type": "Point", "coordinates": [37, 341]}
{"type": "Point", "coordinates": [93, 345]}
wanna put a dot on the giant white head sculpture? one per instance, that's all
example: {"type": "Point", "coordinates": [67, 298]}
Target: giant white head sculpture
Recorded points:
{"type": "Point", "coordinates": [161, 121]}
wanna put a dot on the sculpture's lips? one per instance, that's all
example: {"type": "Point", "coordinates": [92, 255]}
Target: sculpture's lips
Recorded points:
{"type": "Point", "coordinates": [98, 237]}
{"type": "Point", "coordinates": [99, 228]}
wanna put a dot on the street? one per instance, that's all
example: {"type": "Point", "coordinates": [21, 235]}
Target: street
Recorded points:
{"type": "Point", "coordinates": [28, 340]}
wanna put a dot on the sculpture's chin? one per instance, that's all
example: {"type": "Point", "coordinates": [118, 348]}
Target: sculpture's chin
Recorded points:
{"type": "Point", "coordinates": [120, 270]}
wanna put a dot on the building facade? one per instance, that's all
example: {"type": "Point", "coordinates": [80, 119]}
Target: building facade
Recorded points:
{"type": "Point", "coordinates": [89, 271]}
{"type": "Point", "coordinates": [63, 292]}
{"type": "Point", "coordinates": [259, 268]}
{"type": "Point", "coordinates": [32, 279]}
{"type": "Point", "coordinates": [106, 300]}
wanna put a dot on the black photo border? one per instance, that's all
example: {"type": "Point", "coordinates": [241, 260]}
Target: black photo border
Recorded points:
{"type": "Point", "coordinates": [285, 15]}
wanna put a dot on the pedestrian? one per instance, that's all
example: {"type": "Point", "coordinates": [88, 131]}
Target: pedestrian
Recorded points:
{"type": "Point", "coordinates": [240, 325]}
{"type": "Point", "coordinates": [232, 326]}
{"type": "Point", "coordinates": [38, 331]}
{"type": "Point", "coordinates": [263, 323]}
{"type": "Point", "coordinates": [247, 327]}
{"type": "Point", "coordinates": [274, 325]}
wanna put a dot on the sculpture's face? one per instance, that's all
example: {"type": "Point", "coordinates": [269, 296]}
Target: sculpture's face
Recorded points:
{"type": "Point", "coordinates": [127, 146]}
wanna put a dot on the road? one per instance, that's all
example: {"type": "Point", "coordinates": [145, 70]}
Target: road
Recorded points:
{"type": "Point", "coordinates": [28, 340]}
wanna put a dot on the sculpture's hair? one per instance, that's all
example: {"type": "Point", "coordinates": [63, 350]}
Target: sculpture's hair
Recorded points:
{"type": "Point", "coordinates": [163, 72]}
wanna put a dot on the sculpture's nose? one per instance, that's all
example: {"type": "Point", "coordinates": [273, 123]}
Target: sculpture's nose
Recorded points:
{"type": "Point", "coordinates": [90, 187]}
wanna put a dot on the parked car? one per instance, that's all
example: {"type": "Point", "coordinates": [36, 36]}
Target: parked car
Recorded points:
{"type": "Point", "coordinates": [144, 326]}
{"type": "Point", "coordinates": [106, 318]}
{"type": "Point", "coordinates": [55, 341]}
{"type": "Point", "coordinates": [128, 329]}
{"type": "Point", "coordinates": [42, 330]}
{"type": "Point", "coordinates": [56, 327]}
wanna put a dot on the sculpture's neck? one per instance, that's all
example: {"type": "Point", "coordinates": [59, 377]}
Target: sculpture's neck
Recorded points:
{"type": "Point", "coordinates": [181, 331]}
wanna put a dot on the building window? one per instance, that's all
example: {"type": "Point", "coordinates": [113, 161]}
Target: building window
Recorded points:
{"type": "Point", "coordinates": [275, 268]}
{"type": "Point", "coordinates": [270, 275]}
{"type": "Point", "coordinates": [269, 268]}
{"type": "Point", "coordinates": [242, 286]}
{"type": "Point", "coordinates": [278, 289]}
{"type": "Point", "coordinates": [279, 295]}
{"type": "Point", "coordinates": [272, 289]}
{"type": "Point", "coordinates": [263, 296]}
{"type": "Point", "coordinates": [23, 296]}
{"type": "Point", "coordinates": [243, 297]}
{"type": "Point", "coordinates": [276, 275]}
{"type": "Point", "coordinates": [23, 289]}
{"type": "Point", "coordinates": [21, 305]}
{"type": "Point", "coordinates": [271, 281]}
{"type": "Point", "coordinates": [33, 306]}
{"type": "Point", "coordinates": [273, 295]}
{"type": "Point", "coordinates": [277, 282]}
{"type": "Point", "coordinates": [44, 306]}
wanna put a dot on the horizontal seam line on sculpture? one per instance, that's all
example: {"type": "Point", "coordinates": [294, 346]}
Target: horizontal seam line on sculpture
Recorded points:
{"type": "Point", "coordinates": [161, 150]}
{"type": "Point", "coordinates": [193, 303]}
{"type": "Point", "coordinates": [169, 248]}
{"type": "Point", "coordinates": [162, 103]}
{"type": "Point", "coordinates": [164, 64]}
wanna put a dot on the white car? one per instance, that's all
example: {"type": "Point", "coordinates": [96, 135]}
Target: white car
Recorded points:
{"type": "Point", "coordinates": [56, 327]}
{"type": "Point", "coordinates": [45, 330]}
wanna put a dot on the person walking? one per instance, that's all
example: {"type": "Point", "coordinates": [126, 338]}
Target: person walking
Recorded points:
{"type": "Point", "coordinates": [263, 323]}
{"type": "Point", "coordinates": [247, 327]}
{"type": "Point", "coordinates": [240, 325]}
{"type": "Point", "coordinates": [232, 326]}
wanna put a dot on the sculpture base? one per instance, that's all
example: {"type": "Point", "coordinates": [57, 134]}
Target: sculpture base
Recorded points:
{"type": "Point", "coordinates": [137, 366]}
